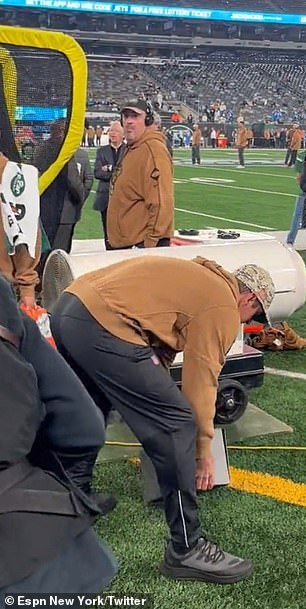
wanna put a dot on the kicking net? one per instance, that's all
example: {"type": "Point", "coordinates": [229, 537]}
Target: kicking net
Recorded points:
{"type": "Point", "coordinates": [42, 98]}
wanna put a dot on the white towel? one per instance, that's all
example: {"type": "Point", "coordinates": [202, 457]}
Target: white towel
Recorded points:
{"type": "Point", "coordinates": [19, 195]}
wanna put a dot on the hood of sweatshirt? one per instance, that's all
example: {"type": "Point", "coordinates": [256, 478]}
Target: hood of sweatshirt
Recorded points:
{"type": "Point", "coordinates": [213, 266]}
{"type": "Point", "coordinates": [149, 136]}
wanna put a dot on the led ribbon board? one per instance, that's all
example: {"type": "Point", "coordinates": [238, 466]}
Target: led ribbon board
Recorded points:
{"type": "Point", "coordinates": [150, 10]}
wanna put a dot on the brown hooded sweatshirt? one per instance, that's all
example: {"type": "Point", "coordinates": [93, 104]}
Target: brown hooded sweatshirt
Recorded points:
{"type": "Point", "coordinates": [190, 307]}
{"type": "Point", "coordinates": [141, 204]}
{"type": "Point", "coordinates": [242, 137]}
{"type": "Point", "coordinates": [19, 268]}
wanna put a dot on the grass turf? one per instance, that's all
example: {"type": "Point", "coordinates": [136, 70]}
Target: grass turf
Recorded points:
{"type": "Point", "coordinates": [270, 532]}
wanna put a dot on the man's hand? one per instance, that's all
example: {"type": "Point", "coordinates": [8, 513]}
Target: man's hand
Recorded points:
{"type": "Point", "coordinates": [205, 474]}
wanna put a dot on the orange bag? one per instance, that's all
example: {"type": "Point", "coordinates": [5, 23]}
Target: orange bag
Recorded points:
{"type": "Point", "coordinates": [41, 317]}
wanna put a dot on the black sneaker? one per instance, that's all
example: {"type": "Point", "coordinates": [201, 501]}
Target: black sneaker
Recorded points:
{"type": "Point", "coordinates": [205, 562]}
{"type": "Point", "coordinates": [106, 503]}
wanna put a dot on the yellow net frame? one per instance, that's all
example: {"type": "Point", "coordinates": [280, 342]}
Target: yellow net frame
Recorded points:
{"type": "Point", "coordinates": [54, 41]}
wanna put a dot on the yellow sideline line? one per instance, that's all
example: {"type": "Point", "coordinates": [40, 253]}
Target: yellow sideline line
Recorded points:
{"type": "Point", "coordinates": [275, 487]}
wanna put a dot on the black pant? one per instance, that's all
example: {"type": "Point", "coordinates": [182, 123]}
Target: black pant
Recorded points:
{"type": "Point", "coordinates": [196, 155]}
{"type": "Point", "coordinates": [241, 156]}
{"type": "Point", "coordinates": [104, 224]}
{"type": "Point", "coordinates": [85, 565]}
{"type": "Point", "coordinates": [63, 237]}
{"type": "Point", "coordinates": [126, 376]}
{"type": "Point", "coordinates": [292, 157]}
{"type": "Point", "coordinates": [72, 428]}
{"type": "Point", "coordinates": [288, 154]}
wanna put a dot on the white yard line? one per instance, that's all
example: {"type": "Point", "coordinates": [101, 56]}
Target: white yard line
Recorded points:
{"type": "Point", "coordinates": [237, 222]}
{"type": "Point", "coordinates": [267, 192]}
{"type": "Point", "coordinates": [198, 213]}
{"type": "Point", "coordinates": [287, 373]}
{"type": "Point", "coordinates": [216, 151]}
{"type": "Point", "coordinates": [253, 173]}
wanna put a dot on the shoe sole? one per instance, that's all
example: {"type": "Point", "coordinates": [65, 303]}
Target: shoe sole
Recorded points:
{"type": "Point", "coordinates": [183, 573]}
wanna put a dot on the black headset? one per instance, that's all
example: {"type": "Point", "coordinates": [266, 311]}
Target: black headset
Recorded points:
{"type": "Point", "coordinates": [149, 117]}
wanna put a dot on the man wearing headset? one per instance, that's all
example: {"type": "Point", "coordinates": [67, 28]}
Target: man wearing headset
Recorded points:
{"type": "Point", "coordinates": [141, 207]}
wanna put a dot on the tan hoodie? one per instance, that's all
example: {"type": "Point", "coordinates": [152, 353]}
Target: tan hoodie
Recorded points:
{"type": "Point", "coordinates": [141, 204]}
{"type": "Point", "coordinates": [196, 137]}
{"type": "Point", "coordinates": [296, 139]}
{"type": "Point", "coordinates": [242, 137]}
{"type": "Point", "coordinates": [19, 268]}
{"type": "Point", "coordinates": [190, 307]}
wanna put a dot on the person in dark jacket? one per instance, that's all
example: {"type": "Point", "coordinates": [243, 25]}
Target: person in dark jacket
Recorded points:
{"type": "Point", "coordinates": [107, 159]}
{"type": "Point", "coordinates": [48, 434]}
{"type": "Point", "coordinates": [78, 186]}
{"type": "Point", "coordinates": [61, 205]}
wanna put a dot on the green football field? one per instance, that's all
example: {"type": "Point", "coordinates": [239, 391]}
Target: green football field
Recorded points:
{"type": "Point", "coordinates": [266, 525]}
{"type": "Point", "coordinates": [217, 194]}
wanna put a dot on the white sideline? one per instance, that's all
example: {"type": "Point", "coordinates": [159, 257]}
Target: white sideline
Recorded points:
{"type": "Point", "coordinates": [256, 173]}
{"type": "Point", "coordinates": [199, 213]}
{"type": "Point", "coordinates": [287, 373]}
{"type": "Point", "coordinates": [267, 192]}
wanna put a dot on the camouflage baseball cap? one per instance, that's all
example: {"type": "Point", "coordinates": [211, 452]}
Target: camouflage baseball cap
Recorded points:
{"type": "Point", "coordinates": [257, 279]}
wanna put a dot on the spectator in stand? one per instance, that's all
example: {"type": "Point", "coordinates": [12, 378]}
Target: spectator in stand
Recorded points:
{"type": "Point", "coordinates": [159, 99]}
{"type": "Point", "coordinates": [175, 117]}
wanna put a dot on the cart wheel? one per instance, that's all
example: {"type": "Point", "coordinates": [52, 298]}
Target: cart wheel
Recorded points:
{"type": "Point", "coordinates": [232, 399]}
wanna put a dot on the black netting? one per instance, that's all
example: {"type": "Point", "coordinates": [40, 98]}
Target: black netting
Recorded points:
{"type": "Point", "coordinates": [304, 215]}
{"type": "Point", "coordinates": [35, 103]}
